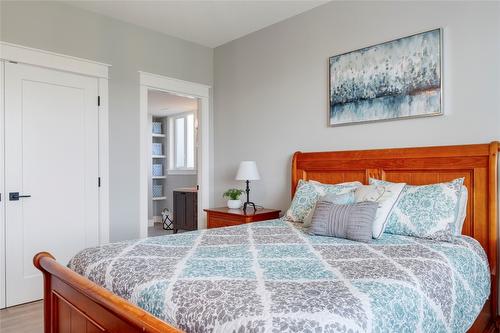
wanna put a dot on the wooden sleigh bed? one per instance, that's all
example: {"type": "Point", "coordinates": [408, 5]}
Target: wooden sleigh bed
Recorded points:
{"type": "Point", "coordinates": [73, 303]}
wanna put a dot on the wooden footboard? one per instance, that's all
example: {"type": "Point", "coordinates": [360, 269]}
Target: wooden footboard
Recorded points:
{"type": "Point", "coordinates": [73, 303]}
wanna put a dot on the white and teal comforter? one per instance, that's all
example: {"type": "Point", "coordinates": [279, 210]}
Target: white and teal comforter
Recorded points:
{"type": "Point", "coordinates": [273, 277]}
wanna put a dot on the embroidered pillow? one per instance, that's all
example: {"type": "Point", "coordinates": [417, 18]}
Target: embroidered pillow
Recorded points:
{"type": "Point", "coordinates": [352, 221]}
{"type": "Point", "coordinates": [427, 211]}
{"type": "Point", "coordinates": [340, 199]}
{"type": "Point", "coordinates": [308, 193]}
{"type": "Point", "coordinates": [386, 195]}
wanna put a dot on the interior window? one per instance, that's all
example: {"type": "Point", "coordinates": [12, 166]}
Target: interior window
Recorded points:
{"type": "Point", "coordinates": [190, 141]}
{"type": "Point", "coordinates": [183, 155]}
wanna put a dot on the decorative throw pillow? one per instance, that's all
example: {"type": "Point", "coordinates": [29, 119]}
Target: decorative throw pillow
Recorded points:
{"type": "Point", "coordinates": [352, 221]}
{"type": "Point", "coordinates": [340, 199]}
{"type": "Point", "coordinates": [308, 193]}
{"type": "Point", "coordinates": [427, 211]}
{"type": "Point", "coordinates": [386, 195]}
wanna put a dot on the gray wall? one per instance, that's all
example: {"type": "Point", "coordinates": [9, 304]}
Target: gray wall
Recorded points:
{"type": "Point", "coordinates": [271, 87]}
{"type": "Point", "coordinates": [60, 28]}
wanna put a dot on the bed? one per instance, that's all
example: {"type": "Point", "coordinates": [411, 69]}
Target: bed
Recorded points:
{"type": "Point", "coordinates": [272, 276]}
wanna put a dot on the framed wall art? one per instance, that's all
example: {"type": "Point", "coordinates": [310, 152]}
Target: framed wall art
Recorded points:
{"type": "Point", "coordinates": [398, 79]}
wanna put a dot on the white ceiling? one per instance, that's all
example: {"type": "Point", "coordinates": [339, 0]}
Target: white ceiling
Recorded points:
{"type": "Point", "coordinates": [163, 104]}
{"type": "Point", "coordinates": [209, 23]}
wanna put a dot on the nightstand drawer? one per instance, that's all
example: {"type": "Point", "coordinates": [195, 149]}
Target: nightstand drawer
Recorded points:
{"type": "Point", "coordinates": [217, 221]}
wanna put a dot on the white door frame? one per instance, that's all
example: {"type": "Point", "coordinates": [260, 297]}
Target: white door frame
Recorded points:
{"type": "Point", "coordinates": [36, 57]}
{"type": "Point", "coordinates": [2, 192]}
{"type": "Point", "coordinates": [150, 81]}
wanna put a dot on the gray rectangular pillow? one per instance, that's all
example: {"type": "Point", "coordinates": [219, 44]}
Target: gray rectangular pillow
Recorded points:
{"type": "Point", "coordinates": [351, 221]}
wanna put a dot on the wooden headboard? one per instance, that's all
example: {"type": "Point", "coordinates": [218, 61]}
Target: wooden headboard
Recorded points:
{"type": "Point", "coordinates": [417, 166]}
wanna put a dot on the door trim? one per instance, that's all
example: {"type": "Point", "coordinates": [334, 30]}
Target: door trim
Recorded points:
{"type": "Point", "coordinates": [47, 59]}
{"type": "Point", "coordinates": [2, 190]}
{"type": "Point", "coordinates": [150, 81]}
{"type": "Point", "coordinates": [36, 57]}
{"type": "Point", "coordinates": [103, 161]}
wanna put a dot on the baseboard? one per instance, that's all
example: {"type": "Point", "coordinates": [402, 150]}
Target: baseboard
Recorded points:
{"type": "Point", "coordinates": [151, 222]}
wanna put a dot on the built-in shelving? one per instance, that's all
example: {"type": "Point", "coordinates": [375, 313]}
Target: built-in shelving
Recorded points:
{"type": "Point", "coordinates": [158, 202]}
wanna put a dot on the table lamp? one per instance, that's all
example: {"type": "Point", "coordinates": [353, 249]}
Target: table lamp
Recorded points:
{"type": "Point", "coordinates": [247, 172]}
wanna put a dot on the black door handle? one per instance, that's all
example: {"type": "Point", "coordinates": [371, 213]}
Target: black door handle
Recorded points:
{"type": "Point", "coordinates": [14, 196]}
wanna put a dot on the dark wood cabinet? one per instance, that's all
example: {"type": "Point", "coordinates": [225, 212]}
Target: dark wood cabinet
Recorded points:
{"type": "Point", "coordinates": [185, 209]}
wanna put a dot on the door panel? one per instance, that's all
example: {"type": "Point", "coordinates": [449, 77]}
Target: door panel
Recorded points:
{"type": "Point", "coordinates": [51, 142]}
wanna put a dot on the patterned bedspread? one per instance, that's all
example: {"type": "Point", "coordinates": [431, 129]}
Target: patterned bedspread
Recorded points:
{"type": "Point", "coordinates": [273, 277]}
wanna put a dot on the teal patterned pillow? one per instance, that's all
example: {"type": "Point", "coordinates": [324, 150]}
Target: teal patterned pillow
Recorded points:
{"type": "Point", "coordinates": [427, 211]}
{"type": "Point", "coordinates": [308, 193]}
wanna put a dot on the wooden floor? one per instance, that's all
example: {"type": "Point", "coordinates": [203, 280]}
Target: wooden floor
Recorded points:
{"type": "Point", "coordinates": [157, 230]}
{"type": "Point", "coordinates": [26, 318]}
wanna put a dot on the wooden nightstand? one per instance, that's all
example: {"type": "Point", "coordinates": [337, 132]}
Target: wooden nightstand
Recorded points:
{"type": "Point", "coordinates": [225, 217]}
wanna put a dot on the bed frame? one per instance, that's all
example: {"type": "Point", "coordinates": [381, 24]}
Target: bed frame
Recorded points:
{"type": "Point", "coordinates": [425, 165]}
{"type": "Point", "coordinates": [73, 303]}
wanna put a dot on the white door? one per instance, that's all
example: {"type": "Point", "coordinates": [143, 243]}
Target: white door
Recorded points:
{"type": "Point", "coordinates": [51, 156]}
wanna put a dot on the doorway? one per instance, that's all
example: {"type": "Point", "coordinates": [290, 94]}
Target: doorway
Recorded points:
{"type": "Point", "coordinates": [179, 112]}
{"type": "Point", "coordinates": [53, 179]}
{"type": "Point", "coordinates": [174, 142]}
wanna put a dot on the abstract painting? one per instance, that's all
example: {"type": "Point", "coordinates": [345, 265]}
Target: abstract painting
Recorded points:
{"type": "Point", "coordinates": [392, 80]}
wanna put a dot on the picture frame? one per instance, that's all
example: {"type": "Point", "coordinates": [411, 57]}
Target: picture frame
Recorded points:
{"type": "Point", "coordinates": [397, 79]}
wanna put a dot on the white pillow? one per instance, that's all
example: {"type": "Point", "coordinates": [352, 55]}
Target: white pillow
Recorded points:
{"type": "Point", "coordinates": [385, 195]}
{"type": "Point", "coordinates": [462, 210]}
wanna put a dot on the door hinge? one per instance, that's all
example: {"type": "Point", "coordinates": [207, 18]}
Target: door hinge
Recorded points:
{"type": "Point", "coordinates": [98, 100]}
{"type": "Point", "coordinates": [98, 181]}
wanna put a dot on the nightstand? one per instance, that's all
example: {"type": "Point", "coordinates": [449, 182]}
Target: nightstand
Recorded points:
{"type": "Point", "coordinates": [225, 217]}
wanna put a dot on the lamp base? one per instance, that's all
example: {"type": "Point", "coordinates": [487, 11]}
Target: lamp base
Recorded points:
{"type": "Point", "coordinates": [248, 203]}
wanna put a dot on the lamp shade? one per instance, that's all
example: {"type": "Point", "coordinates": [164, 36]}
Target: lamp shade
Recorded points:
{"type": "Point", "coordinates": [248, 171]}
